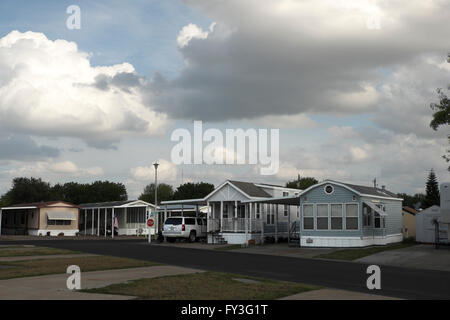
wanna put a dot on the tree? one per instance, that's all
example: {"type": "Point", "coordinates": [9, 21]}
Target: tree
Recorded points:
{"type": "Point", "coordinates": [441, 117]}
{"type": "Point", "coordinates": [432, 196]}
{"type": "Point", "coordinates": [302, 183]}
{"type": "Point", "coordinates": [26, 190]}
{"type": "Point", "coordinates": [193, 190]}
{"type": "Point", "coordinates": [416, 201]}
{"type": "Point", "coordinates": [165, 193]}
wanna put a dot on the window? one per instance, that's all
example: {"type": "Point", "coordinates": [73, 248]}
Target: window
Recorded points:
{"type": "Point", "coordinates": [59, 222]}
{"type": "Point", "coordinates": [285, 194]}
{"type": "Point", "coordinates": [173, 221]}
{"type": "Point", "coordinates": [308, 217]}
{"type": "Point", "coordinates": [328, 189]}
{"type": "Point", "coordinates": [189, 221]}
{"type": "Point", "coordinates": [136, 215]}
{"type": "Point", "coordinates": [322, 217]}
{"type": "Point", "coordinates": [354, 198]}
{"type": "Point", "coordinates": [258, 208]}
{"type": "Point", "coordinates": [286, 210]}
{"type": "Point", "coordinates": [351, 216]}
{"type": "Point", "coordinates": [270, 218]}
{"type": "Point", "coordinates": [336, 217]}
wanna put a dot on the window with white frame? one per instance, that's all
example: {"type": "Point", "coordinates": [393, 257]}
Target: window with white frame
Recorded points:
{"type": "Point", "coordinates": [286, 210]}
{"type": "Point", "coordinates": [322, 217]}
{"type": "Point", "coordinates": [336, 217]}
{"type": "Point", "coordinates": [351, 216]}
{"type": "Point", "coordinates": [308, 217]}
{"type": "Point", "coordinates": [285, 194]}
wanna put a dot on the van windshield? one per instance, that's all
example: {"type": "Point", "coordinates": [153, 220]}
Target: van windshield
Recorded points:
{"type": "Point", "coordinates": [173, 221]}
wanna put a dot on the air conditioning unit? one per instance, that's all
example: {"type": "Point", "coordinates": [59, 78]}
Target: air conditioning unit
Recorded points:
{"type": "Point", "coordinates": [445, 202]}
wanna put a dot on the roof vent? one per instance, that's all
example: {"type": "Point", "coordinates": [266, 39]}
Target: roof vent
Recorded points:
{"type": "Point", "coordinates": [383, 188]}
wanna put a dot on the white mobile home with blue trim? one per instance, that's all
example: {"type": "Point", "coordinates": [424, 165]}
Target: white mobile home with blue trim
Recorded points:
{"type": "Point", "coordinates": [336, 214]}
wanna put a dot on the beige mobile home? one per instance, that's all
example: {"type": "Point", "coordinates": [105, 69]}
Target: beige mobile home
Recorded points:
{"type": "Point", "coordinates": [55, 218]}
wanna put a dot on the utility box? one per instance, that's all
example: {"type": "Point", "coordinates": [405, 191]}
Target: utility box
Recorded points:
{"type": "Point", "coordinates": [445, 202]}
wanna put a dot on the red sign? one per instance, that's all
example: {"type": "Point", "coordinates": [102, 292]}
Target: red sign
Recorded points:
{"type": "Point", "coordinates": [150, 222]}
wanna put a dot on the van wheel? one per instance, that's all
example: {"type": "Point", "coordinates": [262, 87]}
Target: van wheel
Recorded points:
{"type": "Point", "coordinates": [192, 236]}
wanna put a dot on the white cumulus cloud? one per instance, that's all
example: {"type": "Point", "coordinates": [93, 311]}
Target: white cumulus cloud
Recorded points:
{"type": "Point", "coordinates": [49, 88]}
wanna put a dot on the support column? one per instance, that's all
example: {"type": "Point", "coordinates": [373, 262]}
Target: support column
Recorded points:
{"type": "Point", "coordinates": [208, 217]}
{"type": "Point", "coordinates": [246, 213]}
{"type": "Point", "coordinates": [1, 216]}
{"type": "Point", "coordinates": [112, 223]}
{"type": "Point", "coordinates": [106, 221]}
{"type": "Point", "coordinates": [221, 216]}
{"type": "Point", "coordinates": [289, 224]}
{"type": "Point", "coordinates": [98, 222]}
{"type": "Point", "coordinates": [261, 216]}
{"type": "Point", "coordinates": [165, 214]}
{"type": "Point", "coordinates": [250, 207]}
{"type": "Point", "coordinates": [92, 222]}
{"type": "Point", "coordinates": [276, 223]}
{"type": "Point", "coordinates": [85, 221]}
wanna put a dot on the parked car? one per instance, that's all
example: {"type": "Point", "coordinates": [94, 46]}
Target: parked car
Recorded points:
{"type": "Point", "coordinates": [184, 228]}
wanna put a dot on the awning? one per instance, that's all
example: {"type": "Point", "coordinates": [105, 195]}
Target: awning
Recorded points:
{"type": "Point", "coordinates": [375, 208]}
{"type": "Point", "coordinates": [61, 215]}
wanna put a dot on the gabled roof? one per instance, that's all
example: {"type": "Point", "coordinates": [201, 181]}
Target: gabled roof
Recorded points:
{"type": "Point", "coordinates": [359, 190]}
{"type": "Point", "coordinates": [250, 189]}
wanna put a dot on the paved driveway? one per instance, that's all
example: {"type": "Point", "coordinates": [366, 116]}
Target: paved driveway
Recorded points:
{"type": "Point", "coordinates": [422, 256]}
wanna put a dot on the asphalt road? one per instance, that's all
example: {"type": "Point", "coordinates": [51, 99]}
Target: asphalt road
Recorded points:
{"type": "Point", "coordinates": [395, 281]}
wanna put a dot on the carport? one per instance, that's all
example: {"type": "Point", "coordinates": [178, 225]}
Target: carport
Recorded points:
{"type": "Point", "coordinates": [129, 217]}
{"type": "Point", "coordinates": [291, 229]}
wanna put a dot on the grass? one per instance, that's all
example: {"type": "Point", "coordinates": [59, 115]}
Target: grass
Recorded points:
{"type": "Point", "coordinates": [24, 251]}
{"type": "Point", "coordinates": [229, 247]}
{"type": "Point", "coordinates": [28, 268]}
{"type": "Point", "coordinates": [205, 286]}
{"type": "Point", "coordinates": [353, 254]}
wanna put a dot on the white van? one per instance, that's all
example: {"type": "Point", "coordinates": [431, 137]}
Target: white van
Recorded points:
{"type": "Point", "coordinates": [189, 228]}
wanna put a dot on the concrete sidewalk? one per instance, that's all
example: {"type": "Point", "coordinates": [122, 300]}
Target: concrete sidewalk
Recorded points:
{"type": "Point", "coordinates": [423, 256]}
{"type": "Point", "coordinates": [53, 287]}
{"type": "Point", "coordinates": [335, 294]}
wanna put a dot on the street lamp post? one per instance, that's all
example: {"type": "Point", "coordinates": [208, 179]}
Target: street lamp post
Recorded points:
{"type": "Point", "coordinates": [156, 164]}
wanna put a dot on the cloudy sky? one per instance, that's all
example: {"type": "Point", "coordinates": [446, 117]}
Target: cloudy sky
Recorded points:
{"type": "Point", "coordinates": [348, 83]}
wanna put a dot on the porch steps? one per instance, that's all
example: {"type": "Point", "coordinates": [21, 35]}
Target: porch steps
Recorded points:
{"type": "Point", "coordinates": [218, 239]}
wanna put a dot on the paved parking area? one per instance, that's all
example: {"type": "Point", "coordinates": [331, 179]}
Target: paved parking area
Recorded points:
{"type": "Point", "coordinates": [422, 256]}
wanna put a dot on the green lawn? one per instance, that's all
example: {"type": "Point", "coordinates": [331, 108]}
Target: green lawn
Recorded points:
{"type": "Point", "coordinates": [205, 286]}
{"type": "Point", "coordinates": [24, 251]}
{"type": "Point", "coordinates": [28, 268]}
{"type": "Point", "coordinates": [229, 247]}
{"type": "Point", "coordinates": [353, 254]}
